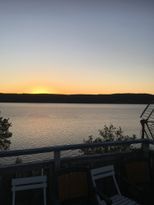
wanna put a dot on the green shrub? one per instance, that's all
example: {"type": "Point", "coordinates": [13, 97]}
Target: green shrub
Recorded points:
{"type": "Point", "coordinates": [5, 134]}
{"type": "Point", "coordinates": [108, 134]}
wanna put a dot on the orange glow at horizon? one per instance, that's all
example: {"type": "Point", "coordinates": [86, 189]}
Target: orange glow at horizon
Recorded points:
{"type": "Point", "coordinates": [41, 89]}
{"type": "Point", "coordinates": [68, 89]}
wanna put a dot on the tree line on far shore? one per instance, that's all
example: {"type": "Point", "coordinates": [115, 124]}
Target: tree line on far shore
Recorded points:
{"type": "Point", "coordinates": [63, 98]}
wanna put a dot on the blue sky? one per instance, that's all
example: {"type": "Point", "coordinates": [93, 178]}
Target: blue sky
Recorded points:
{"type": "Point", "coordinates": [77, 46]}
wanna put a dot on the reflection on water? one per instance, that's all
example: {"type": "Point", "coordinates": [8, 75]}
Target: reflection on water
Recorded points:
{"type": "Point", "coordinates": [37, 125]}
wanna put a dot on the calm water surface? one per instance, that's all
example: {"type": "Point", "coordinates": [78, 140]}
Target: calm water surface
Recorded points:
{"type": "Point", "coordinates": [37, 125]}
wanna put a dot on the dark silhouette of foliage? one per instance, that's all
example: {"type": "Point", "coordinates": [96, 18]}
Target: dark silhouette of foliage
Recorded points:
{"type": "Point", "coordinates": [5, 134]}
{"type": "Point", "coordinates": [86, 98]}
{"type": "Point", "coordinates": [108, 134]}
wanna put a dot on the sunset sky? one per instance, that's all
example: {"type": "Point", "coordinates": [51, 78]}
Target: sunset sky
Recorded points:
{"type": "Point", "coordinates": [77, 46]}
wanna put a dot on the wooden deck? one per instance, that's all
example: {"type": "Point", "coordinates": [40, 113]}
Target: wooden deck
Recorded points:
{"type": "Point", "coordinates": [68, 180]}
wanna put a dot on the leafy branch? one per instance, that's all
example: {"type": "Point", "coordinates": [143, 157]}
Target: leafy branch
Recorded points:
{"type": "Point", "coordinates": [108, 134]}
{"type": "Point", "coordinates": [5, 134]}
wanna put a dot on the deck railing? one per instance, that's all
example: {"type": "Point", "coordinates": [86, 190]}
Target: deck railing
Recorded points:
{"type": "Point", "coordinates": [57, 150]}
{"type": "Point", "coordinates": [58, 161]}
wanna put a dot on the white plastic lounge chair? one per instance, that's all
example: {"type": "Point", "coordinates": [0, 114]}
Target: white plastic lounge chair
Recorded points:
{"type": "Point", "coordinates": [27, 183]}
{"type": "Point", "coordinates": [114, 197]}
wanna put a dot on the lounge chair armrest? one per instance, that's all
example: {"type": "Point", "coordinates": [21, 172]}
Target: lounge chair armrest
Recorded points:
{"type": "Point", "coordinates": [103, 196]}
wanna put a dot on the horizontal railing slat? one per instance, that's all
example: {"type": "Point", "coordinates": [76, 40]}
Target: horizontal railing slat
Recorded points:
{"type": "Point", "coordinates": [60, 148]}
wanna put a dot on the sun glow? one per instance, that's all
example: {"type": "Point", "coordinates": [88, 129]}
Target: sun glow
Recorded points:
{"type": "Point", "coordinates": [39, 90]}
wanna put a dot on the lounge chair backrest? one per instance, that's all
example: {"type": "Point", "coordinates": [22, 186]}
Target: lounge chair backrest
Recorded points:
{"type": "Point", "coordinates": [28, 183]}
{"type": "Point", "coordinates": [103, 172]}
{"type": "Point", "coordinates": [104, 195]}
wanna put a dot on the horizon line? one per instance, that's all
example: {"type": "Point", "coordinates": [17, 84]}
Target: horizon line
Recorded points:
{"type": "Point", "coordinates": [125, 93]}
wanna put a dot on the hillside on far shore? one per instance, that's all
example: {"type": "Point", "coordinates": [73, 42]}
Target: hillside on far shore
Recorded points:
{"type": "Point", "coordinates": [77, 98]}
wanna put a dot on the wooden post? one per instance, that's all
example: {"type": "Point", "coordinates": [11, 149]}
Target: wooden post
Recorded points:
{"type": "Point", "coordinates": [145, 145]}
{"type": "Point", "coordinates": [143, 128]}
{"type": "Point", "coordinates": [146, 148]}
{"type": "Point", "coordinates": [56, 160]}
{"type": "Point", "coordinates": [55, 178]}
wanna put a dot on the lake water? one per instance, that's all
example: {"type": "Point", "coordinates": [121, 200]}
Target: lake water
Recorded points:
{"type": "Point", "coordinates": [37, 125]}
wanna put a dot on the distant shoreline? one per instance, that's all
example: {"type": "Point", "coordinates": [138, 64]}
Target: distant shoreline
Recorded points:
{"type": "Point", "coordinates": [77, 98]}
